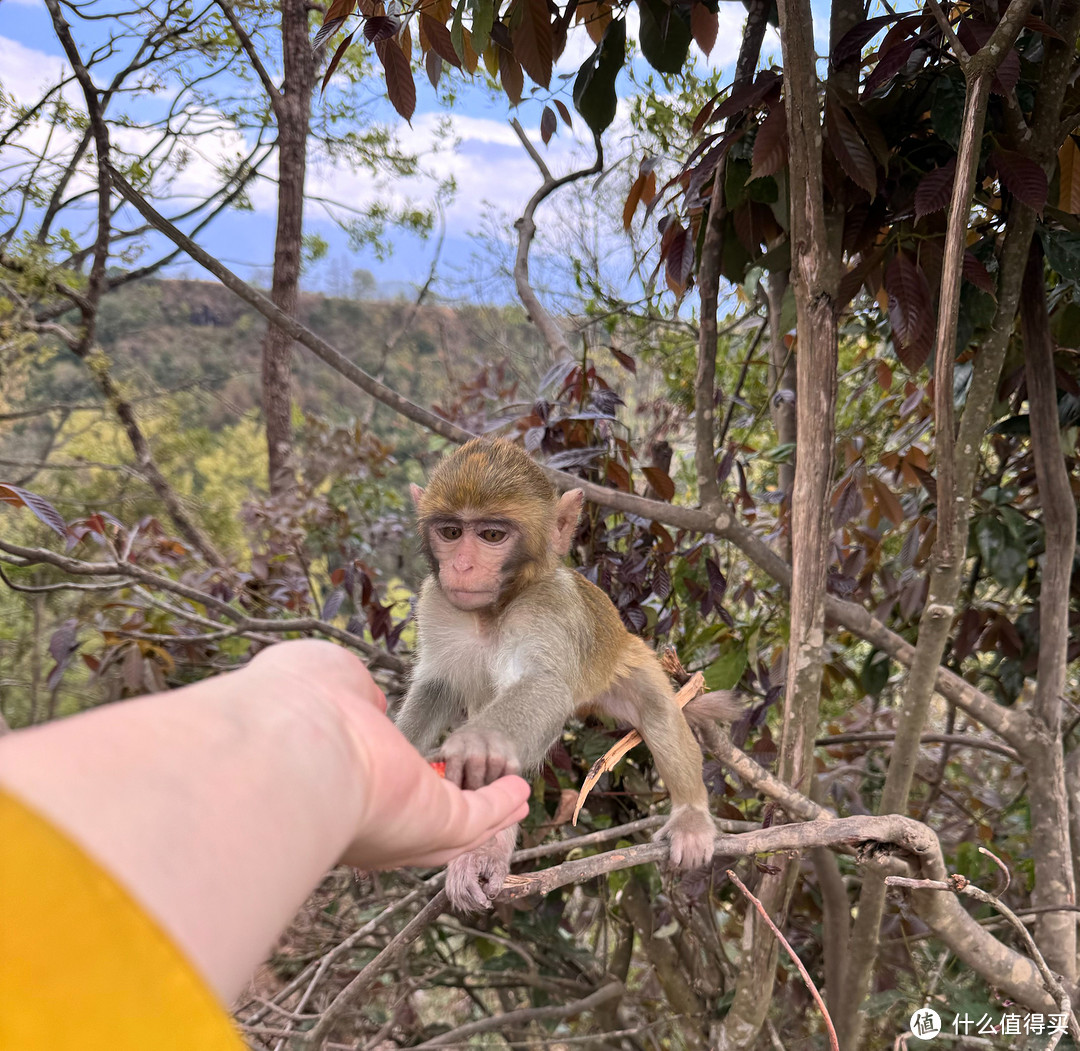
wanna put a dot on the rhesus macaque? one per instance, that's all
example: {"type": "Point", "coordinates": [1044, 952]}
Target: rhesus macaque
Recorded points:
{"type": "Point", "coordinates": [511, 643]}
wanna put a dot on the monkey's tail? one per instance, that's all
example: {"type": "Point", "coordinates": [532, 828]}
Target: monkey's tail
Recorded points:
{"type": "Point", "coordinates": [724, 706]}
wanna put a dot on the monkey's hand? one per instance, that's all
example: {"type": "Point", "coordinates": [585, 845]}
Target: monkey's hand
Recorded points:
{"type": "Point", "coordinates": [476, 756]}
{"type": "Point", "coordinates": [473, 879]}
{"type": "Point", "coordinates": [692, 836]}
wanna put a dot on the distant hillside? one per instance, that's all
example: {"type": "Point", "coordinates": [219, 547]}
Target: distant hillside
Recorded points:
{"type": "Point", "coordinates": [175, 332]}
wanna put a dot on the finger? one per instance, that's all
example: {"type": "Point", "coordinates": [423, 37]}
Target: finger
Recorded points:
{"type": "Point", "coordinates": [475, 771]}
{"type": "Point", "coordinates": [455, 770]}
{"type": "Point", "coordinates": [466, 819]}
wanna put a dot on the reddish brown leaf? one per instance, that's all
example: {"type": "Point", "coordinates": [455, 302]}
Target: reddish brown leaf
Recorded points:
{"type": "Point", "coordinates": [648, 192]}
{"type": "Point", "coordinates": [660, 481]}
{"type": "Point", "coordinates": [334, 20]}
{"type": "Point", "coordinates": [534, 43]}
{"type": "Point", "coordinates": [1022, 177]}
{"type": "Point", "coordinates": [884, 376]}
{"type": "Point", "coordinates": [703, 26]}
{"type": "Point", "coordinates": [974, 35]}
{"type": "Point", "coordinates": [433, 64]}
{"type": "Point", "coordinates": [703, 115]}
{"type": "Point", "coordinates": [1037, 25]}
{"type": "Point", "coordinates": [911, 311]}
{"type": "Point", "coordinates": [381, 27]}
{"type": "Point", "coordinates": [548, 123]}
{"type": "Point", "coordinates": [563, 112]}
{"type": "Point", "coordinates": [849, 149]}
{"type": "Point", "coordinates": [625, 360]}
{"type": "Point", "coordinates": [678, 259]}
{"type": "Point", "coordinates": [632, 200]}
{"type": "Point", "coordinates": [770, 146]}
{"type": "Point", "coordinates": [887, 502]}
{"type": "Point", "coordinates": [935, 189]}
{"type": "Point", "coordinates": [850, 45]}
{"type": "Point", "coordinates": [38, 506]}
{"type": "Point", "coordinates": [438, 37]}
{"type": "Point", "coordinates": [510, 75]}
{"type": "Point", "coordinates": [400, 87]}
{"type": "Point", "coordinates": [978, 275]}
{"type": "Point", "coordinates": [329, 27]}
{"type": "Point", "coordinates": [618, 475]}
{"type": "Point", "coordinates": [741, 99]}
{"type": "Point", "coordinates": [1069, 178]}
{"type": "Point", "coordinates": [341, 49]}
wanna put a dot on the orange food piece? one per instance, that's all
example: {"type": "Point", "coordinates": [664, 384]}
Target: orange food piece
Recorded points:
{"type": "Point", "coordinates": [439, 768]}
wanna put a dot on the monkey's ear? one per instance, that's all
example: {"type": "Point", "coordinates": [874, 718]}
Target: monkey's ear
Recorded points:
{"type": "Point", "coordinates": [416, 493]}
{"type": "Point", "coordinates": [567, 513]}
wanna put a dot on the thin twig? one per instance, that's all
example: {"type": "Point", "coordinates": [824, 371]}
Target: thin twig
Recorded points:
{"type": "Point", "coordinates": [809, 982]}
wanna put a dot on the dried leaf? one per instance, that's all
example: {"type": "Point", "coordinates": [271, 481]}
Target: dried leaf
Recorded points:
{"type": "Point", "coordinates": [399, 79]}
{"type": "Point", "coordinates": [548, 124]}
{"type": "Point", "coordinates": [742, 99]}
{"type": "Point", "coordinates": [563, 112]}
{"type": "Point", "coordinates": [911, 312]}
{"type": "Point", "coordinates": [625, 360]}
{"type": "Point", "coordinates": [770, 145]}
{"type": "Point", "coordinates": [884, 376]}
{"type": "Point", "coordinates": [849, 149]}
{"type": "Point", "coordinates": [935, 189]}
{"type": "Point", "coordinates": [661, 482]}
{"type": "Point", "coordinates": [1022, 177]}
{"type": "Point", "coordinates": [609, 760]}
{"type": "Point", "coordinates": [618, 476]}
{"type": "Point", "coordinates": [703, 25]}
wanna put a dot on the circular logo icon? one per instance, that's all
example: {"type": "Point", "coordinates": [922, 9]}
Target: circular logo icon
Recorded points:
{"type": "Point", "coordinates": [925, 1023]}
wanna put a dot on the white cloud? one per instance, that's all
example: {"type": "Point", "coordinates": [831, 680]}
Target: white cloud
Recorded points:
{"type": "Point", "coordinates": [25, 71]}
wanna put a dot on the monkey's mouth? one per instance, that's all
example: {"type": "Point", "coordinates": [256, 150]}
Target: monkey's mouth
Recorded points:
{"type": "Point", "coordinates": [467, 597]}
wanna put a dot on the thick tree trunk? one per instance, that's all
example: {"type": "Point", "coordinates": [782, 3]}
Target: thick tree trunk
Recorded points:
{"type": "Point", "coordinates": [293, 111]}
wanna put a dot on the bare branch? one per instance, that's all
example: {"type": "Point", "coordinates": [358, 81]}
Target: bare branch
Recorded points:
{"type": "Point", "coordinates": [548, 327]}
{"type": "Point", "coordinates": [77, 567]}
{"type": "Point", "coordinates": [611, 991]}
{"type": "Point", "coordinates": [807, 980]}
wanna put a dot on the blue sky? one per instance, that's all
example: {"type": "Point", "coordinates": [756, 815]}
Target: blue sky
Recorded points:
{"type": "Point", "coordinates": [494, 175]}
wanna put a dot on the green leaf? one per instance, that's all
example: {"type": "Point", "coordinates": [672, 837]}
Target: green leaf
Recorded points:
{"type": "Point", "coordinates": [1062, 251]}
{"type": "Point", "coordinates": [594, 88]}
{"type": "Point", "coordinates": [664, 36]}
{"type": "Point", "coordinates": [947, 109]}
{"type": "Point", "coordinates": [1003, 554]}
{"type": "Point", "coordinates": [725, 672]}
{"type": "Point", "coordinates": [482, 20]}
{"type": "Point", "coordinates": [874, 674]}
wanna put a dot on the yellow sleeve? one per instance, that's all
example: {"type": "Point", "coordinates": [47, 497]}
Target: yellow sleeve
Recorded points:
{"type": "Point", "coordinates": [81, 965]}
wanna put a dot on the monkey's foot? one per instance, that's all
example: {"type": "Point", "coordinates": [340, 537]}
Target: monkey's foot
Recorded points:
{"type": "Point", "coordinates": [692, 837]}
{"type": "Point", "coordinates": [473, 879]}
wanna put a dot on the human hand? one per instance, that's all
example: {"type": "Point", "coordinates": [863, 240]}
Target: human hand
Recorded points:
{"type": "Point", "coordinates": [408, 815]}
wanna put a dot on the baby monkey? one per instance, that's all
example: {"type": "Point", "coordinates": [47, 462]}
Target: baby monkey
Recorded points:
{"type": "Point", "coordinates": [511, 643]}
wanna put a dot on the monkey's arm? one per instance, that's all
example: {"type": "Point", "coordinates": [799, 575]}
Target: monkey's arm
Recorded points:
{"type": "Point", "coordinates": [427, 711]}
{"type": "Point", "coordinates": [512, 731]}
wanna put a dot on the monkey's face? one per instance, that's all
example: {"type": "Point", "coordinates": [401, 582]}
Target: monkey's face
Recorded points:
{"type": "Point", "coordinates": [474, 558]}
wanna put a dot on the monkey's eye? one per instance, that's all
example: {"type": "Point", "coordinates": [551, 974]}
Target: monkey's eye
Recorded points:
{"type": "Point", "coordinates": [449, 532]}
{"type": "Point", "coordinates": [492, 535]}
